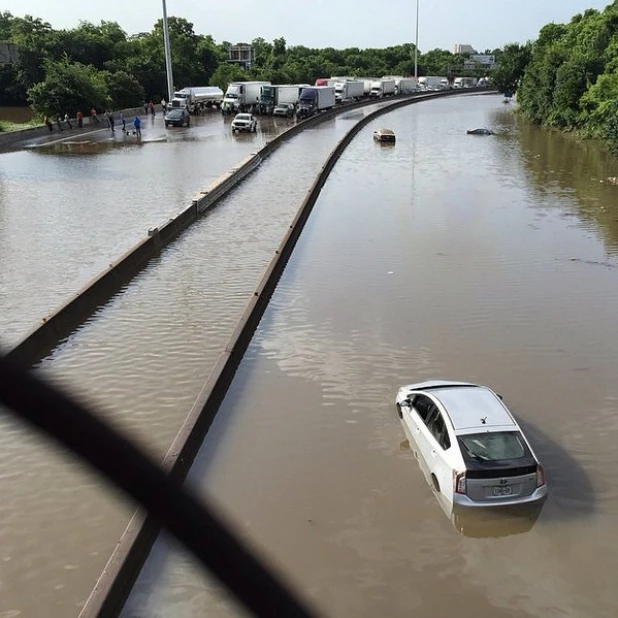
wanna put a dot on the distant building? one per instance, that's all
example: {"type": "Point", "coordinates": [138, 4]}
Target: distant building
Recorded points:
{"type": "Point", "coordinates": [242, 55]}
{"type": "Point", "coordinates": [463, 48]}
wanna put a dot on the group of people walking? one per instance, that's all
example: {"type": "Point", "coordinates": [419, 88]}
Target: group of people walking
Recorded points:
{"type": "Point", "coordinates": [79, 118]}
{"type": "Point", "coordinates": [149, 108]}
{"type": "Point", "coordinates": [94, 119]}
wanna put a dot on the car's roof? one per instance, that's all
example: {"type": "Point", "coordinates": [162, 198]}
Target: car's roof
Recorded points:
{"type": "Point", "coordinates": [472, 407]}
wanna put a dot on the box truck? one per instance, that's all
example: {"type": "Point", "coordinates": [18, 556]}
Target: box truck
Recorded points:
{"type": "Point", "coordinates": [433, 82]}
{"type": "Point", "coordinates": [315, 99]}
{"type": "Point", "coordinates": [349, 91]}
{"type": "Point", "coordinates": [242, 96]}
{"type": "Point", "coordinates": [326, 81]}
{"type": "Point", "coordinates": [465, 82]}
{"type": "Point", "coordinates": [382, 88]}
{"type": "Point", "coordinates": [406, 85]}
{"type": "Point", "coordinates": [271, 96]}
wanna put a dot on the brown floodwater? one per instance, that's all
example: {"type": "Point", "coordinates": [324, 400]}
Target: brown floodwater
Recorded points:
{"type": "Point", "coordinates": [71, 204]}
{"type": "Point", "coordinates": [143, 358]}
{"type": "Point", "coordinates": [486, 259]}
{"type": "Point", "coordinates": [15, 114]}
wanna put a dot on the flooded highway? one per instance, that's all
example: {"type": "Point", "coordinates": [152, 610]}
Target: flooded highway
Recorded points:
{"type": "Point", "coordinates": [142, 359]}
{"type": "Point", "coordinates": [487, 259]}
{"type": "Point", "coordinates": [75, 202]}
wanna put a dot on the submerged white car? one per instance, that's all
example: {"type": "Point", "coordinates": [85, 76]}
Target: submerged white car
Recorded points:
{"type": "Point", "coordinates": [475, 451]}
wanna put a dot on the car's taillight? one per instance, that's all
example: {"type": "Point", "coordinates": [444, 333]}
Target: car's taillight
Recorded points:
{"type": "Point", "coordinates": [459, 482]}
{"type": "Point", "coordinates": [540, 476]}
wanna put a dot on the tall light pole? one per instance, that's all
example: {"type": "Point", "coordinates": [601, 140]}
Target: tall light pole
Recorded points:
{"type": "Point", "coordinates": [168, 56]}
{"type": "Point", "coordinates": [415, 46]}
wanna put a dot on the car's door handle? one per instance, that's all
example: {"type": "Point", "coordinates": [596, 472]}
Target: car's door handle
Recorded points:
{"type": "Point", "coordinates": [433, 453]}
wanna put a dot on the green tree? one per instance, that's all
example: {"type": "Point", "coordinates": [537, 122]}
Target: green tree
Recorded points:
{"type": "Point", "coordinates": [227, 72]}
{"type": "Point", "coordinates": [35, 39]}
{"type": "Point", "coordinates": [69, 87]}
{"type": "Point", "coordinates": [123, 90]}
{"type": "Point", "coordinates": [514, 60]}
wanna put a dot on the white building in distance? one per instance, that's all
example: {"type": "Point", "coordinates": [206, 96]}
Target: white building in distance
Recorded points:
{"type": "Point", "coordinates": [463, 48]}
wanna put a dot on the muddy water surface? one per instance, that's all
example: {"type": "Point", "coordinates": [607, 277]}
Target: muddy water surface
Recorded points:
{"type": "Point", "coordinates": [488, 259]}
{"type": "Point", "coordinates": [71, 206]}
{"type": "Point", "coordinates": [142, 360]}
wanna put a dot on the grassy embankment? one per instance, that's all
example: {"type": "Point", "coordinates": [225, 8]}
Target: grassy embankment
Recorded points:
{"type": "Point", "coordinates": [6, 125]}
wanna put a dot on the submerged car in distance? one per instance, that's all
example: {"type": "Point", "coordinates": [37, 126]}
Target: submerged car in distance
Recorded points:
{"type": "Point", "coordinates": [386, 136]}
{"type": "Point", "coordinates": [244, 122]}
{"type": "Point", "coordinates": [475, 451]}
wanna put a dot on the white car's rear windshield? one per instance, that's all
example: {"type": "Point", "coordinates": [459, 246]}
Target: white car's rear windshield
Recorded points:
{"type": "Point", "coordinates": [494, 446]}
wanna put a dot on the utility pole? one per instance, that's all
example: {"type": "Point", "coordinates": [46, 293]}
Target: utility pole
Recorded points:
{"type": "Point", "coordinates": [415, 46]}
{"type": "Point", "coordinates": [168, 56]}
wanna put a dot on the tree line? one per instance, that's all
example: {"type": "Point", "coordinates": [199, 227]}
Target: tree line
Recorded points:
{"type": "Point", "coordinates": [568, 77]}
{"type": "Point", "coordinates": [100, 65]}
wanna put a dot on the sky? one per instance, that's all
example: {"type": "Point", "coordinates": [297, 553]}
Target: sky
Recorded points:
{"type": "Point", "coordinates": [484, 24]}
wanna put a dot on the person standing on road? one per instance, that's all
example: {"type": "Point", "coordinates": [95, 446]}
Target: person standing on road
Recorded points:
{"type": "Point", "coordinates": [124, 122]}
{"type": "Point", "coordinates": [163, 106]}
{"type": "Point", "coordinates": [59, 122]}
{"type": "Point", "coordinates": [110, 121]}
{"type": "Point", "coordinates": [146, 107]}
{"type": "Point", "coordinates": [137, 123]}
{"type": "Point", "coordinates": [93, 115]}
{"type": "Point", "coordinates": [48, 122]}
{"type": "Point", "coordinates": [80, 120]}
{"type": "Point", "coordinates": [151, 107]}
{"type": "Point", "coordinates": [68, 120]}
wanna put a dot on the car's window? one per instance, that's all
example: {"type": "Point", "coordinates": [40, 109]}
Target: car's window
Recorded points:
{"type": "Point", "coordinates": [437, 426]}
{"type": "Point", "coordinates": [494, 445]}
{"type": "Point", "coordinates": [424, 407]}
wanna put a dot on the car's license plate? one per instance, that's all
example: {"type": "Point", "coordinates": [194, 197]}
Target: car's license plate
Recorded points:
{"type": "Point", "coordinates": [503, 491]}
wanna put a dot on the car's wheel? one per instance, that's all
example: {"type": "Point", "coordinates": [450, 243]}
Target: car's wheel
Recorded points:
{"type": "Point", "coordinates": [434, 482]}
{"type": "Point", "coordinates": [399, 412]}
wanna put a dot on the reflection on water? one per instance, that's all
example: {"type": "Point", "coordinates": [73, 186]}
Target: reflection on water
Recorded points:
{"type": "Point", "coordinates": [561, 165]}
{"type": "Point", "coordinates": [440, 257]}
{"type": "Point", "coordinates": [142, 360]}
{"type": "Point", "coordinates": [72, 206]}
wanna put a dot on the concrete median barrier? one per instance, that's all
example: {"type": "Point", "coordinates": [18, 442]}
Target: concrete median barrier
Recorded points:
{"type": "Point", "coordinates": [115, 583]}
{"type": "Point", "coordinates": [54, 328]}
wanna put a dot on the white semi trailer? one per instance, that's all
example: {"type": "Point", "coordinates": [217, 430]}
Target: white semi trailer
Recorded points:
{"type": "Point", "coordinates": [243, 96]}
{"type": "Point", "coordinates": [382, 88]}
{"type": "Point", "coordinates": [350, 90]}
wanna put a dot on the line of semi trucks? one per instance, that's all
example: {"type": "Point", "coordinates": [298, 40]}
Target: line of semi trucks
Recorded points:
{"type": "Point", "coordinates": [262, 97]}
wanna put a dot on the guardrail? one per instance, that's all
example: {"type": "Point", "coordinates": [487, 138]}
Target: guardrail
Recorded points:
{"type": "Point", "coordinates": [10, 138]}
{"type": "Point", "coordinates": [117, 579]}
{"type": "Point", "coordinates": [74, 312]}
